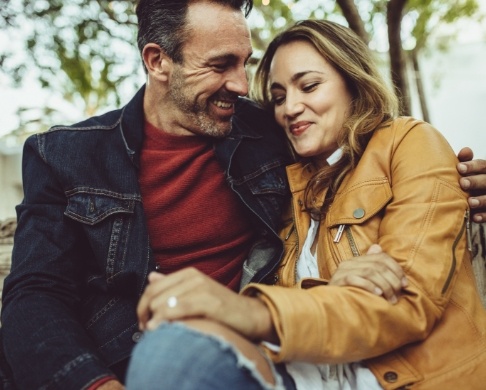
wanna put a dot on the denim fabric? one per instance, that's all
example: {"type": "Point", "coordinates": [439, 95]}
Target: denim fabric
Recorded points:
{"type": "Point", "coordinates": [82, 253]}
{"type": "Point", "coordinates": [173, 357]}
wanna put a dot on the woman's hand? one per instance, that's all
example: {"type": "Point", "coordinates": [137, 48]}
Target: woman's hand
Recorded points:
{"type": "Point", "coordinates": [474, 181]}
{"type": "Point", "coordinates": [375, 272]}
{"type": "Point", "coordinates": [189, 293]}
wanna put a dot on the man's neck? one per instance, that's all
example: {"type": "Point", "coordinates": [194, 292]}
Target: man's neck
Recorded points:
{"type": "Point", "coordinates": [161, 112]}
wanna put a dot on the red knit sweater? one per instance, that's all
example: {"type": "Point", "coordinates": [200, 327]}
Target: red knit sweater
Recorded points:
{"type": "Point", "coordinates": [194, 218]}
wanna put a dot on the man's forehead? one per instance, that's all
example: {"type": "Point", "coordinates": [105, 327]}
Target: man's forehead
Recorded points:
{"type": "Point", "coordinates": [217, 31]}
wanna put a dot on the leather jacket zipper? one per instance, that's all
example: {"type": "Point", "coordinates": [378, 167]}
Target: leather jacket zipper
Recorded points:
{"type": "Point", "coordinates": [346, 229]}
{"type": "Point", "coordinates": [294, 230]}
{"type": "Point", "coordinates": [467, 218]}
{"type": "Point", "coordinates": [454, 245]}
{"type": "Point", "coordinates": [352, 243]}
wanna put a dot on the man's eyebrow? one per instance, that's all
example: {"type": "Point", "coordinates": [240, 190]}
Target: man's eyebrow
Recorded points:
{"type": "Point", "coordinates": [294, 78]}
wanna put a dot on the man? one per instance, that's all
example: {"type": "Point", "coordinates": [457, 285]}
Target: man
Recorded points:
{"type": "Point", "coordinates": [209, 168]}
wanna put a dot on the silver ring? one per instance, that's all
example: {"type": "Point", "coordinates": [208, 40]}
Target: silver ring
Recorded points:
{"type": "Point", "coordinates": [171, 302]}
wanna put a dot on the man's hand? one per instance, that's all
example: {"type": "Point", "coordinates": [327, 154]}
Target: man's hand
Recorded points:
{"type": "Point", "coordinates": [474, 181]}
{"type": "Point", "coordinates": [375, 272]}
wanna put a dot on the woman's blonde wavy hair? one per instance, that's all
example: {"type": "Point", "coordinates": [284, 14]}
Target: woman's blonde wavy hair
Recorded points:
{"type": "Point", "coordinates": [373, 102]}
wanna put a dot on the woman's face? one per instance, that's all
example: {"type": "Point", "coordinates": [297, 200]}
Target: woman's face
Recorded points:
{"type": "Point", "coordinates": [310, 97]}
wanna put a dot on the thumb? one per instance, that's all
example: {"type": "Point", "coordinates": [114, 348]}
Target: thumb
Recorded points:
{"type": "Point", "coordinates": [374, 249]}
{"type": "Point", "coordinates": [153, 276]}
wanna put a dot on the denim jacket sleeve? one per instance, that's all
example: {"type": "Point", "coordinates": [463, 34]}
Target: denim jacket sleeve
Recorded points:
{"type": "Point", "coordinates": [44, 340]}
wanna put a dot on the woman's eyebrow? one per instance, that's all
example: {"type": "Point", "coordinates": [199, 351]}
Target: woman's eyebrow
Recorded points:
{"type": "Point", "coordinates": [294, 78]}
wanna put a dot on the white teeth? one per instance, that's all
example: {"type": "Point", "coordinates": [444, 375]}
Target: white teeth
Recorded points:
{"type": "Point", "coordinates": [221, 104]}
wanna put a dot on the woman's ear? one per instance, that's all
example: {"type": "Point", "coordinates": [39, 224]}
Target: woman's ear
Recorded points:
{"type": "Point", "coordinates": [157, 63]}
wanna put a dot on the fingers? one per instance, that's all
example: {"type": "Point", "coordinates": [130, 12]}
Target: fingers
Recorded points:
{"type": "Point", "coordinates": [374, 249]}
{"type": "Point", "coordinates": [375, 272]}
{"type": "Point", "coordinates": [478, 208]}
{"type": "Point", "coordinates": [474, 181]}
{"type": "Point", "coordinates": [143, 307]}
{"type": "Point", "coordinates": [474, 174]}
{"type": "Point", "coordinates": [465, 154]}
{"type": "Point", "coordinates": [153, 302]}
{"type": "Point", "coordinates": [185, 294]}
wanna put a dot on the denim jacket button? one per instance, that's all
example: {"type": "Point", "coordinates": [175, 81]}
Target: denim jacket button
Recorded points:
{"type": "Point", "coordinates": [358, 213]}
{"type": "Point", "coordinates": [157, 267]}
{"type": "Point", "coordinates": [137, 336]}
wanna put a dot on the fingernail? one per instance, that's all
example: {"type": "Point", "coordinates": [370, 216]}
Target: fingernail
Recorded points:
{"type": "Point", "coordinates": [404, 282]}
{"type": "Point", "coordinates": [462, 168]}
{"type": "Point", "coordinates": [151, 325]}
{"type": "Point", "coordinates": [478, 218]}
{"type": "Point", "coordinates": [465, 183]}
{"type": "Point", "coordinates": [393, 300]}
{"type": "Point", "coordinates": [473, 202]}
{"type": "Point", "coordinates": [378, 291]}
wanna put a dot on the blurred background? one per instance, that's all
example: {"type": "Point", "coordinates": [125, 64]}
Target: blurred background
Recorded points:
{"type": "Point", "coordinates": [63, 61]}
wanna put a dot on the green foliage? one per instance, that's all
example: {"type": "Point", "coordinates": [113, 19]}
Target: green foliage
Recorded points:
{"type": "Point", "coordinates": [83, 49]}
{"type": "Point", "coordinates": [86, 50]}
{"type": "Point", "coordinates": [429, 14]}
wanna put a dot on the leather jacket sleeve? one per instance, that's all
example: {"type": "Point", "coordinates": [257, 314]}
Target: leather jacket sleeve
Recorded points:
{"type": "Point", "coordinates": [421, 225]}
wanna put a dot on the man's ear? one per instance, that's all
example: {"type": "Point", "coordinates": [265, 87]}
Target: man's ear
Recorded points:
{"type": "Point", "coordinates": [158, 63]}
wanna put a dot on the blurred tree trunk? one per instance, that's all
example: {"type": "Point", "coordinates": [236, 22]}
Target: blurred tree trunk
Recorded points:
{"type": "Point", "coordinates": [398, 65]}
{"type": "Point", "coordinates": [350, 12]}
{"type": "Point", "coordinates": [420, 86]}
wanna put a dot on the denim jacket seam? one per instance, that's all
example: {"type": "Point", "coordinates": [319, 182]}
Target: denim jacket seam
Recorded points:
{"type": "Point", "coordinates": [81, 128]}
{"type": "Point", "coordinates": [263, 169]}
{"type": "Point", "coordinates": [99, 191]}
{"type": "Point", "coordinates": [118, 335]}
{"type": "Point", "coordinates": [68, 368]}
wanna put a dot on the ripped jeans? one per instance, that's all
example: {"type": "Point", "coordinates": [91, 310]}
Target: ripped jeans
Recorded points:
{"type": "Point", "coordinates": [175, 357]}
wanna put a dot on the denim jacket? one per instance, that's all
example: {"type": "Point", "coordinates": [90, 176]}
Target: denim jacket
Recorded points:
{"type": "Point", "coordinates": [82, 253]}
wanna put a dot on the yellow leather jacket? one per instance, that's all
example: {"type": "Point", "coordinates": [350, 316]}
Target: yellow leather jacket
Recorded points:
{"type": "Point", "coordinates": [404, 195]}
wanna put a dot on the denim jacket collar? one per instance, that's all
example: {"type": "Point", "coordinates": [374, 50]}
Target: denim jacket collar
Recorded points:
{"type": "Point", "coordinates": [132, 122]}
{"type": "Point", "coordinates": [133, 119]}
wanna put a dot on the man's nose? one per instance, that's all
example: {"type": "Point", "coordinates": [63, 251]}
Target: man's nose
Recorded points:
{"type": "Point", "coordinates": [238, 82]}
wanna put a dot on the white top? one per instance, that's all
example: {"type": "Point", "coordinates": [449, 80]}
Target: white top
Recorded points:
{"type": "Point", "coordinates": [308, 376]}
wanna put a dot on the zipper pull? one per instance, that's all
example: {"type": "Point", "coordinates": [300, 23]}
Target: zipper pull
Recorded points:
{"type": "Point", "coordinates": [339, 233]}
{"type": "Point", "coordinates": [290, 232]}
{"type": "Point", "coordinates": [467, 217]}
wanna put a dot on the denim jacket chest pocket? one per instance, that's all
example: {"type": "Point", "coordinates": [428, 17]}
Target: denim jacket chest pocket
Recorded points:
{"type": "Point", "coordinates": [354, 218]}
{"type": "Point", "coordinates": [106, 220]}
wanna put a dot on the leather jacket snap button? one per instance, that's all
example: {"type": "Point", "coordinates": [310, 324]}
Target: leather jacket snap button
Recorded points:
{"type": "Point", "coordinates": [358, 213]}
{"type": "Point", "coordinates": [390, 376]}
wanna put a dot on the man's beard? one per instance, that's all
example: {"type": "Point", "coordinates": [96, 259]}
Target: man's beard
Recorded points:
{"type": "Point", "coordinates": [198, 113]}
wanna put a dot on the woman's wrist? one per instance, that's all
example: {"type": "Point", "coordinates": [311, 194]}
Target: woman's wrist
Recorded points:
{"type": "Point", "coordinates": [264, 327]}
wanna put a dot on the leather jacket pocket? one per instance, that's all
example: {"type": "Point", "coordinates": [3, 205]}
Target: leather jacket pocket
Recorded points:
{"type": "Point", "coordinates": [360, 202]}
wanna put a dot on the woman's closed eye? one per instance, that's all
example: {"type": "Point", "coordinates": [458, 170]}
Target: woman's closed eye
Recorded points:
{"type": "Point", "coordinates": [278, 100]}
{"type": "Point", "coordinates": [310, 87]}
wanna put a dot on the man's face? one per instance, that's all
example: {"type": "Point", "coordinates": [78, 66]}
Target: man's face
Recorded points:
{"type": "Point", "coordinates": [205, 87]}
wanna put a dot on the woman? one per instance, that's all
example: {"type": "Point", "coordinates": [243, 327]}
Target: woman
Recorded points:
{"type": "Point", "coordinates": [364, 177]}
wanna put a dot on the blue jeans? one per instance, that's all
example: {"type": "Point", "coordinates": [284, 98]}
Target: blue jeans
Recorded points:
{"type": "Point", "coordinates": [176, 357]}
